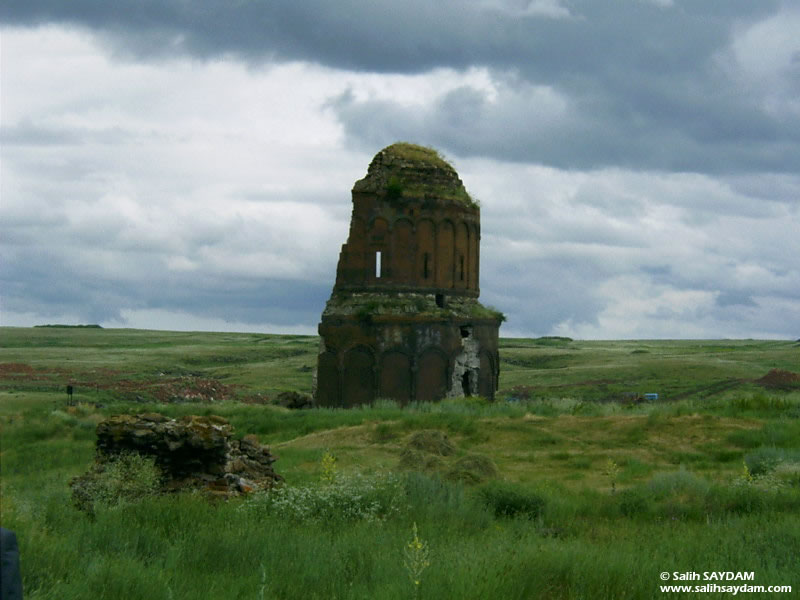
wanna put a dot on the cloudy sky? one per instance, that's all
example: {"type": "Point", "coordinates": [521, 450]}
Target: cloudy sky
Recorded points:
{"type": "Point", "coordinates": [179, 164]}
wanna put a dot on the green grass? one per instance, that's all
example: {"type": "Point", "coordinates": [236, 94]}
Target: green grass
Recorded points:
{"type": "Point", "coordinates": [553, 524]}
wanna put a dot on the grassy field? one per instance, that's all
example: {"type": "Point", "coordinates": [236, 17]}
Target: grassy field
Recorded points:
{"type": "Point", "coordinates": [561, 488]}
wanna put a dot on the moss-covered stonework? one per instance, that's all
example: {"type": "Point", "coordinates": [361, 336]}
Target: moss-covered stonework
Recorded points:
{"type": "Point", "coordinates": [404, 321]}
{"type": "Point", "coordinates": [413, 172]}
{"type": "Point", "coordinates": [194, 452]}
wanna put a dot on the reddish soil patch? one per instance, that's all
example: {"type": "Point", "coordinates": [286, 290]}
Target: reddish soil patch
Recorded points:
{"type": "Point", "coordinates": [161, 389]}
{"type": "Point", "coordinates": [779, 379]}
{"type": "Point", "coordinates": [192, 389]}
{"type": "Point", "coordinates": [15, 369]}
{"type": "Point", "coordinates": [23, 372]}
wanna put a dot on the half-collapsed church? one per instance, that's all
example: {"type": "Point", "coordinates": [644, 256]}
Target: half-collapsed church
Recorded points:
{"type": "Point", "coordinates": [404, 321]}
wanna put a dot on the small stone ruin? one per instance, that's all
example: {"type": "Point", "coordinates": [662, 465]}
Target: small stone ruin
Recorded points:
{"type": "Point", "coordinates": [192, 453]}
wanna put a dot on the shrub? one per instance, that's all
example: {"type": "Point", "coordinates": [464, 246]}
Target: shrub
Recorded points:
{"type": "Point", "coordinates": [634, 501]}
{"type": "Point", "coordinates": [737, 499]}
{"type": "Point", "coordinates": [346, 498]}
{"type": "Point", "coordinates": [394, 188]}
{"type": "Point", "coordinates": [762, 460]}
{"type": "Point", "coordinates": [675, 483]}
{"type": "Point", "coordinates": [125, 478]}
{"type": "Point", "coordinates": [788, 473]}
{"type": "Point", "coordinates": [507, 500]}
{"type": "Point", "coordinates": [679, 494]}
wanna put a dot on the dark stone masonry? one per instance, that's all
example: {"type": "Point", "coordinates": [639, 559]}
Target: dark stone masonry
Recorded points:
{"type": "Point", "coordinates": [193, 452]}
{"type": "Point", "coordinates": [404, 321]}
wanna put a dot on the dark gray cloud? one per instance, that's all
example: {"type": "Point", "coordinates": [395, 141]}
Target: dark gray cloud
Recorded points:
{"type": "Point", "coordinates": [412, 36]}
{"type": "Point", "coordinates": [636, 161]}
{"type": "Point", "coordinates": [643, 85]}
{"type": "Point", "coordinates": [733, 299]}
{"type": "Point", "coordinates": [49, 284]}
{"type": "Point", "coordinates": [525, 124]}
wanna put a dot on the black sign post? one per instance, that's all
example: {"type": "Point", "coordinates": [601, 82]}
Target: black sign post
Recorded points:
{"type": "Point", "coordinates": [69, 394]}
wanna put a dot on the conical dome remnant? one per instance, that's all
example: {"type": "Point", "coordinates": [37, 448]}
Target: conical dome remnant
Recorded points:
{"type": "Point", "coordinates": [407, 171]}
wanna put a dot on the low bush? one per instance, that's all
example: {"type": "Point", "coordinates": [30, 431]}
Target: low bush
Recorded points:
{"type": "Point", "coordinates": [125, 478]}
{"type": "Point", "coordinates": [788, 474]}
{"type": "Point", "coordinates": [635, 501]}
{"type": "Point", "coordinates": [344, 499]}
{"type": "Point", "coordinates": [763, 461]}
{"type": "Point", "coordinates": [678, 483]}
{"type": "Point", "coordinates": [507, 500]}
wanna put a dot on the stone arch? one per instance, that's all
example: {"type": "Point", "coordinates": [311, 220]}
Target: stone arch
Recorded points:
{"type": "Point", "coordinates": [328, 380]}
{"type": "Point", "coordinates": [486, 379]}
{"type": "Point", "coordinates": [395, 376]}
{"type": "Point", "coordinates": [378, 230]}
{"type": "Point", "coordinates": [432, 375]}
{"type": "Point", "coordinates": [445, 242]}
{"type": "Point", "coordinates": [358, 381]}
{"type": "Point", "coordinates": [426, 252]}
{"type": "Point", "coordinates": [403, 251]}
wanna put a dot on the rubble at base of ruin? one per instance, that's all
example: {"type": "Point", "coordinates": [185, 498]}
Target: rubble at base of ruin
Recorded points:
{"type": "Point", "coordinates": [404, 321]}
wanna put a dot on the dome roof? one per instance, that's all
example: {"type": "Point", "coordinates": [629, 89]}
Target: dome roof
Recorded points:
{"type": "Point", "coordinates": [409, 171]}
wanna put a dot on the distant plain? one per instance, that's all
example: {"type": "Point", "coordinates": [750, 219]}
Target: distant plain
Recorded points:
{"type": "Point", "coordinates": [621, 484]}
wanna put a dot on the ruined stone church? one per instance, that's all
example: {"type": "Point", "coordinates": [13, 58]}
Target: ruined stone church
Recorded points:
{"type": "Point", "coordinates": [404, 321]}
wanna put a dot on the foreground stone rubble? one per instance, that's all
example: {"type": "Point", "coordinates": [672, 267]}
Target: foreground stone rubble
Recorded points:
{"type": "Point", "coordinates": [192, 453]}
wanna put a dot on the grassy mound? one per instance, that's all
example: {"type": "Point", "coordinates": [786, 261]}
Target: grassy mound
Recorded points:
{"type": "Point", "coordinates": [431, 441]}
{"type": "Point", "coordinates": [473, 468]}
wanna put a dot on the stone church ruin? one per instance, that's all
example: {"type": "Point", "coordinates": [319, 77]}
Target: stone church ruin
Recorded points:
{"type": "Point", "coordinates": [404, 321]}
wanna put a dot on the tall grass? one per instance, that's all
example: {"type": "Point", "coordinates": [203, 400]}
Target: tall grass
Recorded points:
{"type": "Point", "coordinates": [573, 547]}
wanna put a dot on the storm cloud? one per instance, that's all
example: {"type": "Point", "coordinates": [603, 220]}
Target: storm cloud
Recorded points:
{"type": "Point", "coordinates": [190, 162]}
{"type": "Point", "coordinates": [692, 86]}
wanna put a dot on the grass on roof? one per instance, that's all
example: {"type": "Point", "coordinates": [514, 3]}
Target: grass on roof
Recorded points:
{"type": "Point", "coordinates": [418, 153]}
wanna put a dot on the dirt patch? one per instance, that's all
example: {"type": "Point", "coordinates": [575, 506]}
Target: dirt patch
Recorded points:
{"type": "Point", "coordinates": [160, 389]}
{"type": "Point", "coordinates": [12, 369]}
{"type": "Point", "coordinates": [21, 372]}
{"type": "Point", "coordinates": [192, 389]}
{"type": "Point", "coordinates": [778, 379]}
